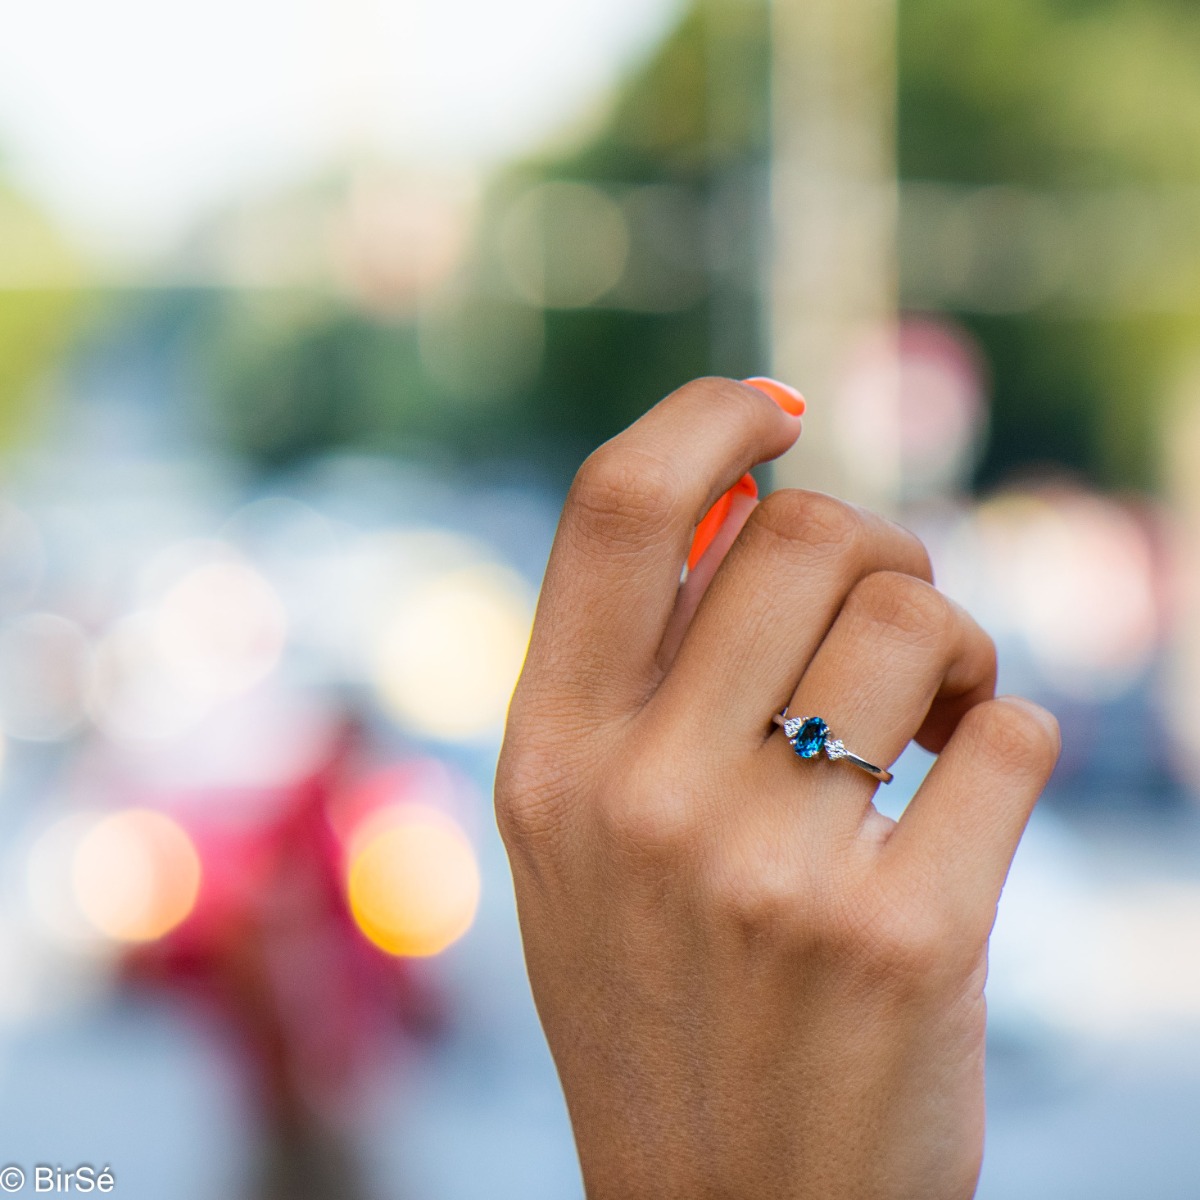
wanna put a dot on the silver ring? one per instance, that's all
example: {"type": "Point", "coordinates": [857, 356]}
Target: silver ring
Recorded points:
{"type": "Point", "coordinates": [808, 736]}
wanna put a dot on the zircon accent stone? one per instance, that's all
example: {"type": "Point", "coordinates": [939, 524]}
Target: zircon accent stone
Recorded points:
{"type": "Point", "coordinates": [835, 749]}
{"type": "Point", "coordinates": [810, 739]}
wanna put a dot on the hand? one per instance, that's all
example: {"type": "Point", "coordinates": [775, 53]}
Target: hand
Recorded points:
{"type": "Point", "coordinates": [752, 983]}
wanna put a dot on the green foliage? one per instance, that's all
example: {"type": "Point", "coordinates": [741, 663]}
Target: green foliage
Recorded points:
{"type": "Point", "coordinates": [699, 104]}
{"type": "Point", "coordinates": [33, 328]}
{"type": "Point", "coordinates": [1053, 96]}
{"type": "Point", "coordinates": [36, 307]}
{"type": "Point", "coordinates": [1057, 95]}
{"type": "Point", "coordinates": [1049, 92]}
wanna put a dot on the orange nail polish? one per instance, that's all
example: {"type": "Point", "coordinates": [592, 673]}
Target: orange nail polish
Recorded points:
{"type": "Point", "coordinates": [712, 521]}
{"type": "Point", "coordinates": [786, 397]}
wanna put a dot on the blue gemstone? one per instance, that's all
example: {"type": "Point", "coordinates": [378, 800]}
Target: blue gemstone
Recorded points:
{"type": "Point", "coordinates": [810, 741]}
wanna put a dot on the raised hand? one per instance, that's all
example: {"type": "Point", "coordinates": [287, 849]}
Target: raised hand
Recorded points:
{"type": "Point", "coordinates": [752, 983]}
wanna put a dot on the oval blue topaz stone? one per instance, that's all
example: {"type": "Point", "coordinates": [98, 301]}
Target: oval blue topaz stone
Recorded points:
{"type": "Point", "coordinates": [810, 740]}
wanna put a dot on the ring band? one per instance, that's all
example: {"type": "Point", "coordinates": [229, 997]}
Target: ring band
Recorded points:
{"type": "Point", "coordinates": [808, 736]}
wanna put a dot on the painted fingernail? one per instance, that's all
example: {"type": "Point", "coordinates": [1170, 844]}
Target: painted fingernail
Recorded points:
{"type": "Point", "coordinates": [786, 397]}
{"type": "Point", "coordinates": [711, 524]}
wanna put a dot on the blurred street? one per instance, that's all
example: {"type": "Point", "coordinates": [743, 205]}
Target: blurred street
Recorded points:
{"type": "Point", "coordinates": [308, 314]}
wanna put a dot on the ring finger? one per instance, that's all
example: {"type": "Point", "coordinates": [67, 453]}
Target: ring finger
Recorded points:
{"type": "Point", "coordinates": [901, 661]}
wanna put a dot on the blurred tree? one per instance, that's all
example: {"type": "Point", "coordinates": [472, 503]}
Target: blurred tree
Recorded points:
{"type": "Point", "coordinates": [602, 275]}
{"type": "Point", "coordinates": [600, 278]}
{"type": "Point", "coordinates": [1076, 102]}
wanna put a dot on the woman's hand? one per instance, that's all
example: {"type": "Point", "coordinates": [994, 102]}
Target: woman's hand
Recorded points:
{"type": "Point", "coordinates": [752, 983]}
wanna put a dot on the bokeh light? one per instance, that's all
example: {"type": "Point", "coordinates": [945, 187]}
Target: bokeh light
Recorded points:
{"type": "Point", "coordinates": [1073, 573]}
{"type": "Point", "coordinates": [136, 875]}
{"type": "Point", "coordinates": [222, 627]}
{"type": "Point", "coordinates": [449, 657]}
{"type": "Point", "coordinates": [565, 244]}
{"type": "Point", "coordinates": [414, 884]}
{"type": "Point", "coordinates": [917, 402]}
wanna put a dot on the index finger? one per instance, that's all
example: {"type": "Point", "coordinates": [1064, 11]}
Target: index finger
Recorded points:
{"type": "Point", "coordinates": [614, 569]}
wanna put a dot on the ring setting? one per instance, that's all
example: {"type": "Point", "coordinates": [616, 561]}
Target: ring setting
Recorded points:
{"type": "Point", "coordinates": [809, 736]}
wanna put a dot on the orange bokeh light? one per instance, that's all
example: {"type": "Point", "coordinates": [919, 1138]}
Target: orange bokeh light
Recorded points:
{"type": "Point", "coordinates": [413, 882]}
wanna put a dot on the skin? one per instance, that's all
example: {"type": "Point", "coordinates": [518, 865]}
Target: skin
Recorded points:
{"type": "Point", "coordinates": [753, 984]}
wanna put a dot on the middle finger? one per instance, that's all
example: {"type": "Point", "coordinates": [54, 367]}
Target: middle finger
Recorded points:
{"type": "Point", "coordinates": [769, 607]}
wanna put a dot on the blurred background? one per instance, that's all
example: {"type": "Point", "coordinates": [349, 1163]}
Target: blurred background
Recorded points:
{"type": "Point", "coordinates": [309, 311]}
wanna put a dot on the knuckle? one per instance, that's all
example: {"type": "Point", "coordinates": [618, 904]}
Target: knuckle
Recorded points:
{"type": "Point", "coordinates": [763, 899]}
{"type": "Point", "coordinates": [764, 908]}
{"type": "Point", "coordinates": [909, 607]}
{"type": "Point", "coordinates": [916, 553]}
{"type": "Point", "coordinates": [818, 523]}
{"type": "Point", "coordinates": [524, 821]}
{"type": "Point", "coordinates": [1016, 732]}
{"type": "Point", "coordinates": [620, 491]}
{"type": "Point", "coordinates": [770, 891]}
{"type": "Point", "coordinates": [530, 785]}
{"type": "Point", "coordinates": [737, 402]}
{"type": "Point", "coordinates": [646, 820]}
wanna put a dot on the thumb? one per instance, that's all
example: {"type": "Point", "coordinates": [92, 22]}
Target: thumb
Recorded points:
{"type": "Point", "coordinates": [718, 530]}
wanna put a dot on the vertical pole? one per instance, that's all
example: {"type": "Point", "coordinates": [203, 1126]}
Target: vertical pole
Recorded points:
{"type": "Point", "coordinates": [833, 275]}
{"type": "Point", "coordinates": [1180, 446]}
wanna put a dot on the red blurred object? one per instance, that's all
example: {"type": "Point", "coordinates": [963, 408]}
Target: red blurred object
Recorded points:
{"type": "Point", "coordinates": [272, 946]}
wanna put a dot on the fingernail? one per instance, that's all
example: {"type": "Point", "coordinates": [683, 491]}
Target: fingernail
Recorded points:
{"type": "Point", "coordinates": [711, 524]}
{"type": "Point", "coordinates": [786, 397]}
